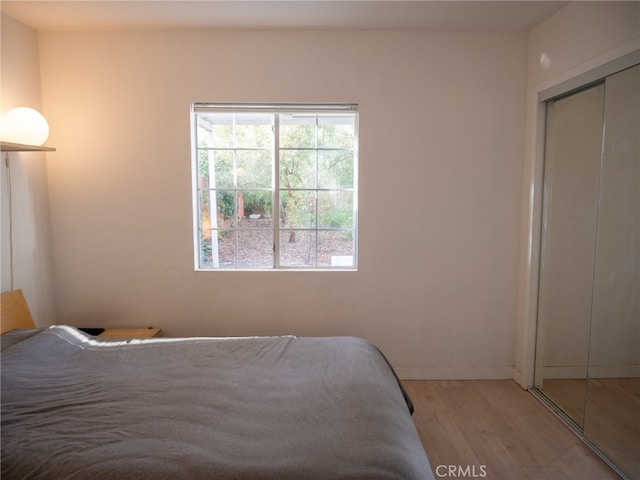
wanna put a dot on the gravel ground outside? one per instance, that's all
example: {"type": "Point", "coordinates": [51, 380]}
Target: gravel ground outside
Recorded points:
{"type": "Point", "coordinates": [251, 246]}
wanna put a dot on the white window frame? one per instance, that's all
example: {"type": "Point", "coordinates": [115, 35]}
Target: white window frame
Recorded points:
{"type": "Point", "coordinates": [276, 110]}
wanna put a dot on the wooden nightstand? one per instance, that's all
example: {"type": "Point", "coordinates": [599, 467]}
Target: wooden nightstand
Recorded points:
{"type": "Point", "coordinates": [130, 332]}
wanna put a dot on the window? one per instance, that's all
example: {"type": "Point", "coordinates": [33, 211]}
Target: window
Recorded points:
{"type": "Point", "coordinates": [275, 186]}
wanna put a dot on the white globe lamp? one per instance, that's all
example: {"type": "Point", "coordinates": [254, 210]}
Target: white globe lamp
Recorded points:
{"type": "Point", "coordinates": [24, 125]}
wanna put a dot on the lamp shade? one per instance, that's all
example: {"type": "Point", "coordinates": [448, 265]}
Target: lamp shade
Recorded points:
{"type": "Point", "coordinates": [24, 125]}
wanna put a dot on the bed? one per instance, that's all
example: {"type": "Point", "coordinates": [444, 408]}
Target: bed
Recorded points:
{"type": "Point", "coordinates": [258, 408]}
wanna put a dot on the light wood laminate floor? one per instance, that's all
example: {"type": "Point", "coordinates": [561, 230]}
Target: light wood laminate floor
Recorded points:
{"type": "Point", "coordinates": [501, 430]}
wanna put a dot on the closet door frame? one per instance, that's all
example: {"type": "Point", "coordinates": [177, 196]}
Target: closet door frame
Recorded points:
{"type": "Point", "coordinates": [577, 78]}
{"type": "Point", "coordinates": [602, 449]}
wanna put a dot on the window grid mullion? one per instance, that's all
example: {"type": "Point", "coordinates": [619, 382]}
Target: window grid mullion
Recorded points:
{"type": "Point", "coordinates": [235, 191]}
{"type": "Point", "coordinates": [276, 191]}
{"type": "Point", "coordinates": [316, 184]}
{"type": "Point", "coordinates": [315, 192]}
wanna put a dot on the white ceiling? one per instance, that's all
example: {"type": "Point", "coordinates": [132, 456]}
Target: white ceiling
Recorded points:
{"type": "Point", "coordinates": [267, 14]}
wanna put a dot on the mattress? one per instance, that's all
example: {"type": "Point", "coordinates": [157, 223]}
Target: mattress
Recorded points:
{"type": "Point", "coordinates": [258, 408]}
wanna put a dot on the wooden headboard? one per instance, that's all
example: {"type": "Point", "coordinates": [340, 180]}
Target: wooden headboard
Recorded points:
{"type": "Point", "coordinates": [15, 312]}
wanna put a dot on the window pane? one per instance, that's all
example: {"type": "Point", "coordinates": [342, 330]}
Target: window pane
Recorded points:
{"type": "Point", "coordinates": [222, 136]}
{"type": "Point", "coordinates": [297, 131]}
{"type": "Point", "coordinates": [298, 209]}
{"type": "Point", "coordinates": [254, 208]}
{"type": "Point", "coordinates": [254, 168]}
{"type": "Point", "coordinates": [254, 130]}
{"type": "Point", "coordinates": [335, 209]}
{"type": "Point", "coordinates": [226, 208]}
{"type": "Point", "coordinates": [297, 169]}
{"type": "Point", "coordinates": [336, 131]}
{"type": "Point", "coordinates": [335, 169]}
{"type": "Point", "coordinates": [227, 248]}
{"type": "Point", "coordinates": [205, 249]}
{"type": "Point", "coordinates": [203, 168]}
{"type": "Point", "coordinates": [255, 249]}
{"type": "Point", "coordinates": [215, 168]}
{"type": "Point", "coordinates": [335, 249]}
{"type": "Point", "coordinates": [298, 248]}
{"type": "Point", "coordinates": [204, 209]}
{"type": "Point", "coordinates": [215, 130]}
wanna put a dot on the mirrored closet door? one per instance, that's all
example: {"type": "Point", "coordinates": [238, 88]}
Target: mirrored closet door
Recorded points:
{"type": "Point", "coordinates": [588, 341]}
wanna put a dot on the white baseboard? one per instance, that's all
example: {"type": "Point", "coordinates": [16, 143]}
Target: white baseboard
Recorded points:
{"type": "Point", "coordinates": [454, 373]}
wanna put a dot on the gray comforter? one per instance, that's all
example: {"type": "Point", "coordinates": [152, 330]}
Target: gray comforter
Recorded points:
{"type": "Point", "coordinates": [262, 408]}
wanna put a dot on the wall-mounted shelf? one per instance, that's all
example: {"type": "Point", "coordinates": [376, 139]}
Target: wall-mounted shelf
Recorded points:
{"type": "Point", "coordinates": [18, 147]}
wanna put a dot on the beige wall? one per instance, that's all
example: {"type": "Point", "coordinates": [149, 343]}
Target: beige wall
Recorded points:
{"type": "Point", "coordinates": [579, 38]}
{"type": "Point", "coordinates": [441, 141]}
{"type": "Point", "coordinates": [20, 87]}
{"type": "Point", "coordinates": [445, 117]}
